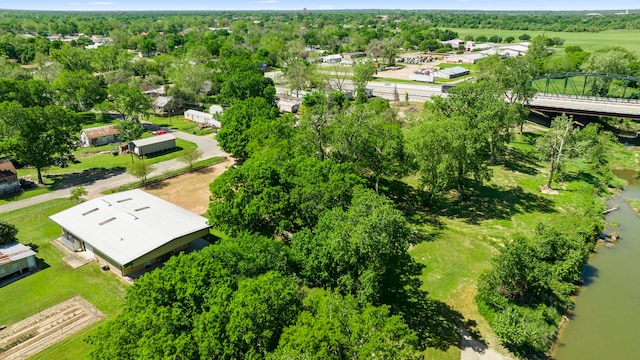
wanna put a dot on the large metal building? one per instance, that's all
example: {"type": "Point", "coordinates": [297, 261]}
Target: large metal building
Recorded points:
{"type": "Point", "coordinates": [153, 145]}
{"type": "Point", "coordinates": [129, 231]}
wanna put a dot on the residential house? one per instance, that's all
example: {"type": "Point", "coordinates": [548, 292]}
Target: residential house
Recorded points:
{"type": "Point", "coordinates": [97, 136]}
{"type": "Point", "coordinates": [163, 105]}
{"type": "Point", "coordinates": [9, 183]}
{"type": "Point", "coordinates": [201, 118]}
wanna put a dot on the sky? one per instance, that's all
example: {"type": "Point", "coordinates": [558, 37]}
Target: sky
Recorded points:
{"type": "Point", "coordinates": [317, 5]}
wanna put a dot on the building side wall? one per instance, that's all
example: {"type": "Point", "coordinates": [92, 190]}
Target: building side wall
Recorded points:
{"type": "Point", "coordinates": [17, 266]}
{"type": "Point", "coordinates": [157, 147]}
{"type": "Point", "coordinates": [10, 188]}
{"type": "Point", "coordinates": [160, 254]}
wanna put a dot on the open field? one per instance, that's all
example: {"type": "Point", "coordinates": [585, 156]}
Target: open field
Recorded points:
{"type": "Point", "coordinates": [46, 328]}
{"type": "Point", "coordinates": [191, 190]}
{"type": "Point", "coordinates": [587, 41]}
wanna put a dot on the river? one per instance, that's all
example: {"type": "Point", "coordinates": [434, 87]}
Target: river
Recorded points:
{"type": "Point", "coordinates": [604, 322]}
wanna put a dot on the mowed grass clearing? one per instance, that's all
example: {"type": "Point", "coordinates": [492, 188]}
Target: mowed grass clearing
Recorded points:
{"type": "Point", "coordinates": [464, 237]}
{"type": "Point", "coordinates": [56, 281]}
{"type": "Point", "coordinates": [586, 40]}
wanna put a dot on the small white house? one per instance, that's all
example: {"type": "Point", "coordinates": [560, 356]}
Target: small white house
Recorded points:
{"type": "Point", "coordinates": [216, 111]}
{"type": "Point", "coordinates": [333, 58]}
{"type": "Point", "coordinates": [201, 118]}
{"type": "Point", "coordinates": [99, 136]}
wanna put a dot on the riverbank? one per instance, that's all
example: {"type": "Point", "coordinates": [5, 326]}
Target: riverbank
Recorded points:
{"type": "Point", "coordinates": [460, 239]}
{"type": "Point", "coordinates": [604, 319]}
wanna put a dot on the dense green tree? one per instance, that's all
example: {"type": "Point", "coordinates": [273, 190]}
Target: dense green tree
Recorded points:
{"type": "Point", "coordinates": [237, 120]}
{"type": "Point", "coordinates": [128, 101]}
{"type": "Point", "coordinates": [272, 196]}
{"type": "Point", "coordinates": [78, 90]}
{"type": "Point", "coordinates": [513, 76]}
{"type": "Point", "coordinates": [369, 138]}
{"type": "Point", "coordinates": [184, 309]}
{"type": "Point", "coordinates": [487, 116]}
{"type": "Point", "coordinates": [37, 136]}
{"type": "Point", "coordinates": [336, 327]}
{"type": "Point", "coordinates": [8, 233]}
{"type": "Point", "coordinates": [360, 251]}
{"type": "Point", "coordinates": [72, 58]}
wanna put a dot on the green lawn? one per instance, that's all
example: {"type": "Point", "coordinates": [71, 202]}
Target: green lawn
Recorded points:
{"type": "Point", "coordinates": [179, 123]}
{"type": "Point", "coordinates": [91, 165]}
{"type": "Point", "coordinates": [587, 41]}
{"type": "Point", "coordinates": [461, 238]}
{"type": "Point", "coordinates": [56, 281]}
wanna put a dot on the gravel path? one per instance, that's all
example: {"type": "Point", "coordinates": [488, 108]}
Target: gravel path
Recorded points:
{"type": "Point", "coordinates": [473, 349]}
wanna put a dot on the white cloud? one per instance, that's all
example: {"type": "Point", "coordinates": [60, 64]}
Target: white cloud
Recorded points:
{"type": "Point", "coordinates": [74, 4]}
{"type": "Point", "coordinates": [101, 3]}
{"type": "Point", "coordinates": [268, 1]}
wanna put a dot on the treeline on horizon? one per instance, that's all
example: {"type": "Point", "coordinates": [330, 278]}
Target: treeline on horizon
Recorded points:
{"type": "Point", "coordinates": [568, 21]}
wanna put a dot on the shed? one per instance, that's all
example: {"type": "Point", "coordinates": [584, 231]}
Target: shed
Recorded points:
{"type": "Point", "coordinates": [9, 183]}
{"type": "Point", "coordinates": [216, 110]}
{"type": "Point", "coordinates": [289, 105]}
{"type": "Point", "coordinates": [452, 72]}
{"type": "Point", "coordinates": [333, 58]}
{"type": "Point", "coordinates": [99, 136]}
{"type": "Point", "coordinates": [201, 118]}
{"type": "Point", "coordinates": [16, 258]}
{"type": "Point", "coordinates": [153, 145]}
{"type": "Point", "coordinates": [163, 105]}
{"type": "Point", "coordinates": [130, 230]}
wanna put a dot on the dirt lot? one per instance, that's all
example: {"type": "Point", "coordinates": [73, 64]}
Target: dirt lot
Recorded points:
{"type": "Point", "coordinates": [47, 327]}
{"type": "Point", "coordinates": [191, 190]}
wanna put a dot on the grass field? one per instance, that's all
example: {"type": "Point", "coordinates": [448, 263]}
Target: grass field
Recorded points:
{"type": "Point", "coordinates": [587, 41]}
{"type": "Point", "coordinates": [56, 281]}
{"type": "Point", "coordinates": [461, 238]}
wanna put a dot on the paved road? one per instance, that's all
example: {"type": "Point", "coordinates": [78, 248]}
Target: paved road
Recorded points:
{"type": "Point", "coordinates": [207, 144]}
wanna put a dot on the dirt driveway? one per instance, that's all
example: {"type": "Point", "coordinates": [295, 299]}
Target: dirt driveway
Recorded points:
{"type": "Point", "coordinates": [191, 190]}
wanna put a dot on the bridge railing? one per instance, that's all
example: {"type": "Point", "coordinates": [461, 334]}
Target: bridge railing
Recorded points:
{"type": "Point", "coordinates": [587, 98]}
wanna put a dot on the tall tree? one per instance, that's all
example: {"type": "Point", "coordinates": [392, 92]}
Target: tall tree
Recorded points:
{"type": "Point", "coordinates": [38, 136]}
{"type": "Point", "coordinates": [337, 327]}
{"type": "Point", "coordinates": [368, 137]}
{"type": "Point", "coordinates": [362, 73]}
{"type": "Point", "coordinates": [128, 101]}
{"type": "Point", "coordinates": [298, 75]}
{"type": "Point", "coordinates": [237, 120]}
{"type": "Point", "coordinates": [272, 196]}
{"type": "Point", "coordinates": [556, 142]}
{"type": "Point", "coordinates": [78, 90]}
{"type": "Point", "coordinates": [360, 251]}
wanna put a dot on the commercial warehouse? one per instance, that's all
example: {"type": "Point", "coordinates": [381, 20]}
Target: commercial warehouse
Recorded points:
{"type": "Point", "coordinates": [129, 231]}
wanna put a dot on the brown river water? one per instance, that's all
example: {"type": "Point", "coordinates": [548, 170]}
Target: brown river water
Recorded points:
{"type": "Point", "coordinates": [605, 322]}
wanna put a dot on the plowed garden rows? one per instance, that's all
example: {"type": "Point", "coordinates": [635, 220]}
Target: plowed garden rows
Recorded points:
{"type": "Point", "coordinates": [49, 326]}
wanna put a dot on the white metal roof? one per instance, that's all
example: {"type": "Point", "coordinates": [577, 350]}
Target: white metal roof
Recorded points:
{"type": "Point", "coordinates": [153, 140]}
{"type": "Point", "coordinates": [127, 225]}
{"type": "Point", "coordinates": [14, 252]}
